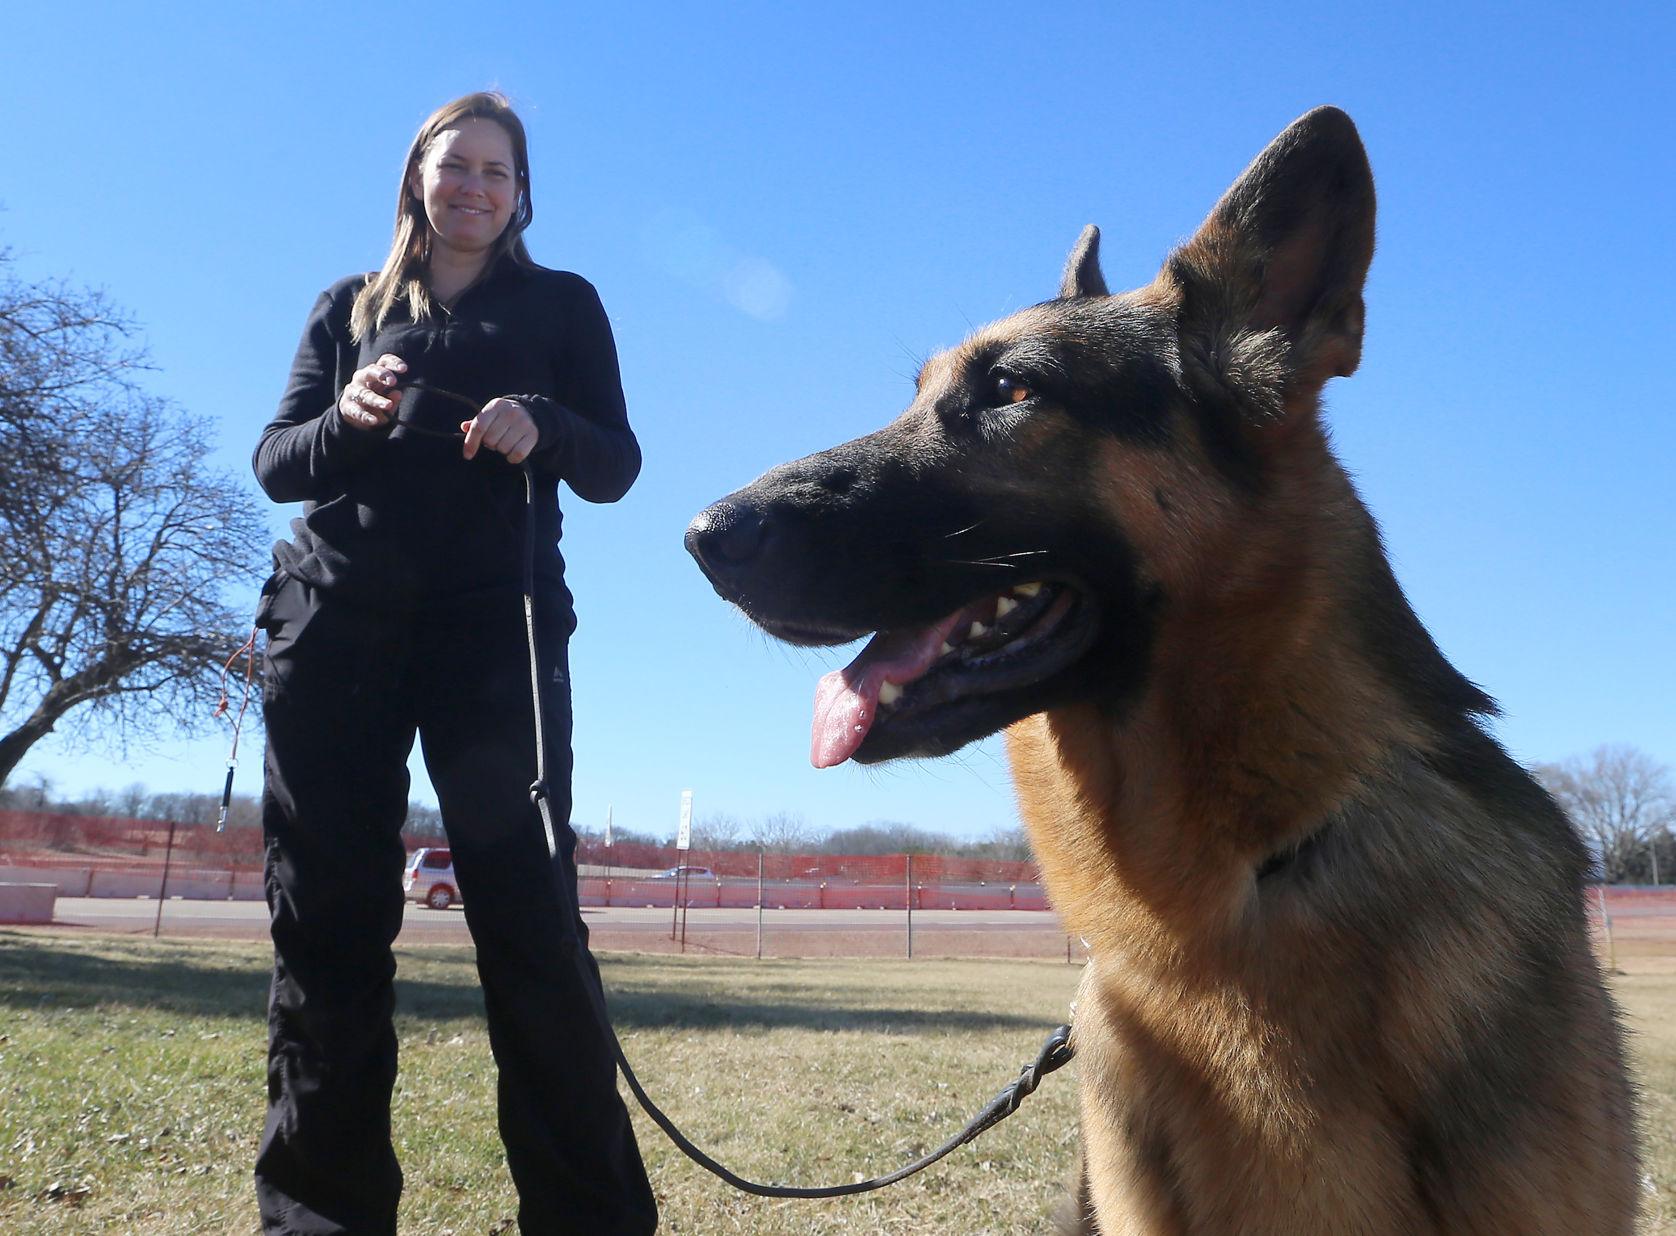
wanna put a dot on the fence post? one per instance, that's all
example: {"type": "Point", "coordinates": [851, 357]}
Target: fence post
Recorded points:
{"type": "Point", "coordinates": [1606, 922]}
{"type": "Point", "coordinates": [759, 905]}
{"type": "Point", "coordinates": [908, 900]}
{"type": "Point", "coordinates": [163, 888]}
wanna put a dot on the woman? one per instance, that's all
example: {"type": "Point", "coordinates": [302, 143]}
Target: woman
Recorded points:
{"type": "Point", "coordinates": [397, 609]}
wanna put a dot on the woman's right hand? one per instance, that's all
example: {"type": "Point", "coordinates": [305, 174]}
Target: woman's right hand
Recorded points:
{"type": "Point", "coordinates": [371, 398]}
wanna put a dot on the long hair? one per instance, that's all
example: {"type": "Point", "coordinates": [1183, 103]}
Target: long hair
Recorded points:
{"type": "Point", "coordinates": [403, 276]}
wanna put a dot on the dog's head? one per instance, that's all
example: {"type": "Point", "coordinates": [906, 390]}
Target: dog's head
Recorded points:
{"type": "Point", "coordinates": [1066, 476]}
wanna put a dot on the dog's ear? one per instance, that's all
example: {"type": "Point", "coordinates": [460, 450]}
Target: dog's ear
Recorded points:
{"type": "Point", "coordinates": [1285, 251]}
{"type": "Point", "coordinates": [1082, 275]}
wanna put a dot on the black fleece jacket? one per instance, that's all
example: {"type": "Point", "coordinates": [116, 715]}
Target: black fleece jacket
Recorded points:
{"type": "Point", "coordinates": [394, 518]}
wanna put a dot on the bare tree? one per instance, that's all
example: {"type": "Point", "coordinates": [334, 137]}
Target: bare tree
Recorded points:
{"type": "Point", "coordinates": [1621, 800]}
{"type": "Point", "coordinates": [717, 832]}
{"type": "Point", "coordinates": [131, 800]}
{"type": "Point", "coordinates": [888, 837]}
{"type": "Point", "coordinates": [782, 833]}
{"type": "Point", "coordinates": [60, 349]}
{"type": "Point", "coordinates": [118, 541]}
{"type": "Point", "coordinates": [1006, 844]}
{"type": "Point", "coordinates": [35, 796]}
{"type": "Point", "coordinates": [423, 820]}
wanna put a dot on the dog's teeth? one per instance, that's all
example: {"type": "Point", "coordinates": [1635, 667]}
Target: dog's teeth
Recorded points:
{"type": "Point", "coordinates": [1004, 606]}
{"type": "Point", "coordinates": [978, 631]}
{"type": "Point", "coordinates": [945, 649]}
{"type": "Point", "coordinates": [889, 693]}
{"type": "Point", "coordinates": [1027, 590]}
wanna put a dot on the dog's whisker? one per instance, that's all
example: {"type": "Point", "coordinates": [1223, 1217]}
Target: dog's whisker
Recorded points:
{"type": "Point", "coordinates": [1000, 560]}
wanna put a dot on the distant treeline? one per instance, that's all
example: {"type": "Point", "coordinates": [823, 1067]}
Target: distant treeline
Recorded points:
{"type": "Point", "coordinates": [779, 833]}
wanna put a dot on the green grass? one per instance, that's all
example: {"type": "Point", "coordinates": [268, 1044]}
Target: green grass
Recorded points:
{"type": "Point", "coordinates": [131, 1088]}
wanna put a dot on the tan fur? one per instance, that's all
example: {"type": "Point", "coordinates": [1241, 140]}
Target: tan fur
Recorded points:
{"type": "Point", "coordinates": [1340, 977]}
{"type": "Point", "coordinates": [1278, 1089]}
{"type": "Point", "coordinates": [1242, 1072]}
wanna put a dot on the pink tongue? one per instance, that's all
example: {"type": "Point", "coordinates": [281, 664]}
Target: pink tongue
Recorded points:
{"type": "Point", "coordinates": [847, 700]}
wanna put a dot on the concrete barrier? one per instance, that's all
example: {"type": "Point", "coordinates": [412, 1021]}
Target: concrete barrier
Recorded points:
{"type": "Point", "coordinates": [249, 886]}
{"type": "Point", "coordinates": [212, 884]}
{"type": "Point", "coordinates": [69, 881]}
{"type": "Point", "coordinates": [27, 903]}
{"type": "Point", "coordinates": [125, 884]}
{"type": "Point", "coordinates": [805, 895]}
{"type": "Point", "coordinates": [200, 885]}
{"type": "Point", "coordinates": [186, 883]}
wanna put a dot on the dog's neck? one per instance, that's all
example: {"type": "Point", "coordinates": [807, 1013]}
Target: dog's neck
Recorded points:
{"type": "Point", "coordinates": [1261, 713]}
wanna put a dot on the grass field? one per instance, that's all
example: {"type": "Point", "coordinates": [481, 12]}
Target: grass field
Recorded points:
{"type": "Point", "coordinates": [131, 1087]}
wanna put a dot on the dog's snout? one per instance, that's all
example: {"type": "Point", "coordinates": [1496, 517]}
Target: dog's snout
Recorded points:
{"type": "Point", "coordinates": [725, 536]}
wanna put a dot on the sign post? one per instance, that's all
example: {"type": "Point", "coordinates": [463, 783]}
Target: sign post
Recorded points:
{"type": "Point", "coordinates": [683, 843]}
{"type": "Point", "coordinates": [607, 854]}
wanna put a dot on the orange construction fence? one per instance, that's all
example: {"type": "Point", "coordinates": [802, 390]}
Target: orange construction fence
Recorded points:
{"type": "Point", "coordinates": [93, 856]}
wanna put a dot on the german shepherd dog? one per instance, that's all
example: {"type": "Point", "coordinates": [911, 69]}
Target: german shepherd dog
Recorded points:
{"type": "Point", "coordinates": [1340, 975]}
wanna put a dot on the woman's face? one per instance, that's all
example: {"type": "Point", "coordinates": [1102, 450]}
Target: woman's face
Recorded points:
{"type": "Point", "coordinates": [468, 184]}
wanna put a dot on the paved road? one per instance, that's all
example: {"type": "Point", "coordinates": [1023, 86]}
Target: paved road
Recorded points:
{"type": "Point", "coordinates": [618, 926]}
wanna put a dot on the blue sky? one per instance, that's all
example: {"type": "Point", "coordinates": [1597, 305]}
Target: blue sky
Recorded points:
{"type": "Point", "coordinates": [785, 211]}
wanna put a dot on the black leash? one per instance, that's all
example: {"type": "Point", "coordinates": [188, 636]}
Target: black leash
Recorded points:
{"type": "Point", "coordinates": [1055, 1053]}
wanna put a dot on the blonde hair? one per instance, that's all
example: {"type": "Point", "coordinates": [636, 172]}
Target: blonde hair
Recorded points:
{"type": "Point", "coordinates": [403, 276]}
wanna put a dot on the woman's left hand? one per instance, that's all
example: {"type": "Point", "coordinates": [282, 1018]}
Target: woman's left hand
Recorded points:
{"type": "Point", "coordinates": [503, 425]}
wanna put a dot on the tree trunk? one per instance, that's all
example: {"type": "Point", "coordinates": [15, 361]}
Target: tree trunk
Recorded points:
{"type": "Point", "coordinates": [14, 746]}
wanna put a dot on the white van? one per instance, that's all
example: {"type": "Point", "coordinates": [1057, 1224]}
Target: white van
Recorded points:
{"type": "Point", "coordinates": [430, 878]}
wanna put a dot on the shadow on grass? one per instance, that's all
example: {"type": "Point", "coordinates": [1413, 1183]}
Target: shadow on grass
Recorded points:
{"type": "Point", "coordinates": [169, 976]}
{"type": "Point", "coordinates": [708, 1010]}
{"type": "Point", "coordinates": [232, 982]}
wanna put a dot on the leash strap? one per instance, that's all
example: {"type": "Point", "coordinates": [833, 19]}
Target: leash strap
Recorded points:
{"type": "Point", "coordinates": [1055, 1054]}
{"type": "Point", "coordinates": [538, 790]}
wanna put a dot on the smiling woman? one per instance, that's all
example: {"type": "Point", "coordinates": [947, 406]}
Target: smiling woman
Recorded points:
{"type": "Point", "coordinates": [466, 180]}
{"type": "Point", "coordinates": [459, 158]}
{"type": "Point", "coordinates": [397, 609]}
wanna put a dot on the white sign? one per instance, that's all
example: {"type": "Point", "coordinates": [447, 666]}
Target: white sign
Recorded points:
{"type": "Point", "coordinates": [684, 838]}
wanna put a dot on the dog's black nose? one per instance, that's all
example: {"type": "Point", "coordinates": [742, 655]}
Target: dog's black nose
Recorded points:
{"type": "Point", "coordinates": [725, 536]}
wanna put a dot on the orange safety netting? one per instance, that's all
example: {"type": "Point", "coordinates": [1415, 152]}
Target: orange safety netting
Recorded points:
{"type": "Point", "coordinates": [632, 871]}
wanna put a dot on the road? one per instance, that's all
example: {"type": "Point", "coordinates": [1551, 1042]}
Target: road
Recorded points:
{"type": "Point", "coordinates": [825, 932]}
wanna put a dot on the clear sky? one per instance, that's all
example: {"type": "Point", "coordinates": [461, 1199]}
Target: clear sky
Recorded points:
{"type": "Point", "coordinates": [786, 208]}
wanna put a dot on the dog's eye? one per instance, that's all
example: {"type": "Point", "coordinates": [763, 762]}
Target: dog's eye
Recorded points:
{"type": "Point", "coordinates": [1011, 390]}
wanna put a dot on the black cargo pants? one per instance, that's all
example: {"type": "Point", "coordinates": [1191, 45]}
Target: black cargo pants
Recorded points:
{"type": "Point", "coordinates": [345, 690]}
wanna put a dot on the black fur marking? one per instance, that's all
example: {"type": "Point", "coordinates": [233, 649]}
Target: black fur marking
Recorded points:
{"type": "Point", "coordinates": [1299, 858]}
{"type": "Point", "coordinates": [1401, 648]}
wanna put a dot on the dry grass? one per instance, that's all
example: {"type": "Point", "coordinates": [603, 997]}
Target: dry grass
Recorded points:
{"type": "Point", "coordinates": [131, 1087]}
{"type": "Point", "coordinates": [1649, 1004]}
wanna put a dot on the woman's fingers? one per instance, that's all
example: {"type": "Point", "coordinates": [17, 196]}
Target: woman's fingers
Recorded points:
{"type": "Point", "coordinates": [502, 426]}
{"type": "Point", "coordinates": [360, 407]}
{"type": "Point", "coordinates": [386, 374]}
{"type": "Point", "coordinates": [371, 398]}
